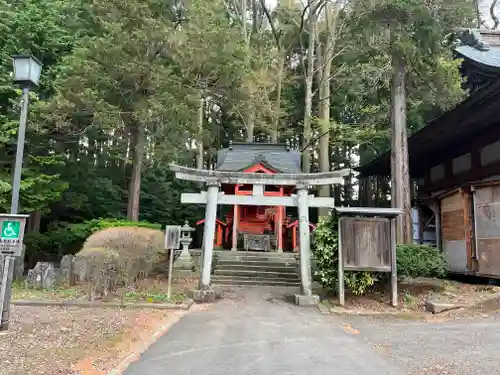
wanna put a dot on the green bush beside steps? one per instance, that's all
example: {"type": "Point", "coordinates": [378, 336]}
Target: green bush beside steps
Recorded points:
{"type": "Point", "coordinates": [413, 260]}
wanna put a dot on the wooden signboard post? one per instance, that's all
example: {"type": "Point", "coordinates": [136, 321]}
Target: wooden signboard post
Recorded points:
{"type": "Point", "coordinates": [367, 242]}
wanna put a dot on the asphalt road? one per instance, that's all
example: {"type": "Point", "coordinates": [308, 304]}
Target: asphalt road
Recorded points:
{"type": "Point", "coordinates": [259, 333]}
{"type": "Point", "coordinates": [468, 346]}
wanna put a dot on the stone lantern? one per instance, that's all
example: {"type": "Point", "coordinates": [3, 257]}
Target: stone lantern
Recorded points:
{"type": "Point", "coordinates": [184, 260]}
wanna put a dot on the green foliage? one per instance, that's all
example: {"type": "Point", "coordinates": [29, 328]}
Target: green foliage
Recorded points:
{"type": "Point", "coordinates": [325, 251]}
{"type": "Point", "coordinates": [412, 261]}
{"type": "Point", "coordinates": [116, 66]}
{"type": "Point", "coordinates": [420, 261]}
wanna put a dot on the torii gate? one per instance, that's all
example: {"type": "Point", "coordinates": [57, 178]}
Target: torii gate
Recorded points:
{"type": "Point", "coordinates": [212, 197]}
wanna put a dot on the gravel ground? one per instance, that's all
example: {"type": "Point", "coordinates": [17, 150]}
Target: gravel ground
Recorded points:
{"type": "Point", "coordinates": [70, 341]}
{"type": "Point", "coordinates": [465, 346]}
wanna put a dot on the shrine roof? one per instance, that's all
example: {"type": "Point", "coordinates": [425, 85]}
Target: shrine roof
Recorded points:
{"type": "Point", "coordinates": [481, 47]}
{"type": "Point", "coordinates": [240, 156]}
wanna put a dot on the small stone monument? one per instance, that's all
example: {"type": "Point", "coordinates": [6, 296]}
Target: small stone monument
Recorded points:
{"type": "Point", "coordinates": [184, 261]}
{"type": "Point", "coordinates": [43, 276]}
{"type": "Point", "coordinates": [66, 270]}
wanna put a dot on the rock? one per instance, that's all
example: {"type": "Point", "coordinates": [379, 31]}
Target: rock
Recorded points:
{"type": "Point", "coordinates": [80, 269]}
{"type": "Point", "coordinates": [437, 307]}
{"type": "Point", "coordinates": [19, 265]}
{"type": "Point", "coordinates": [304, 300]}
{"type": "Point", "coordinates": [43, 276]}
{"type": "Point", "coordinates": [203, 295]}
{"type": "Point", "coordinates": [66, 270]}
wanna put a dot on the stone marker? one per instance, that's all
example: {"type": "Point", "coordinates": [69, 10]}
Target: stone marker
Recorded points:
{"type": "Point", "coordinates": [43, 276]}
{"type": "Point", "coordinates": [437, 307]}
{"type": "Point", "coordinates": [66, 269]}
{"type": "Point", "coordinates": [19, 265]}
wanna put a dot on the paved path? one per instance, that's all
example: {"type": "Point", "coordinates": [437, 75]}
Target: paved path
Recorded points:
{"type": "Point", "coordinates": [459, 347]}
{"type": "Point", "coordinates": [259, 333]}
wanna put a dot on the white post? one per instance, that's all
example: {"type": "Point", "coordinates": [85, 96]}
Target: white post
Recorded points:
{"type": "Point", "coordinates": [209, 234]}
{"type": "Point", "coordinates": [305, 250]}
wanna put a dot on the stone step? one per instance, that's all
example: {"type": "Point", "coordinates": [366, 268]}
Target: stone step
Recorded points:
{"type": "Point", "coordinates": [258, 274]}
{"type": "Point", "coordinates": [264, 268]}
{"type": "Point", "coordinates": [258, 263]}
{"type": "Point", "coordinates": [251, 281]}
{"type": "Point", "coordinates": [254, 254]}
{"type": "Point", "coordinates": [257, 259]}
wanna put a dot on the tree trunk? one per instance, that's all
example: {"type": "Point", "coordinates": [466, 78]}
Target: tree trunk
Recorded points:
{"type": "Point", "coordinates": [250, 125]}
{"type": "Point", "coordinates": [134, 192]}
{"type": "Point", "coordinates": [400, 189]}
{"type": "Point", "coordinates": [279, 85]}
{"type": "Point", "coordinates": [324, 103]}
{"type": "Point", "coordinates": [199, 142]}
{"type": "Point", "coordinates": [306, 153]}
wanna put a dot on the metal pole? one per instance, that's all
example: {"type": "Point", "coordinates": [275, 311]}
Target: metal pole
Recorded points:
{"type": "Point", "coordinates": [394, 272]}
{"type": "Point", "coordinates": [340, 275]}
{"type": "Point", "coordinates": [16, 184]}
{"type": "Point", "coordinates": [8, 269]}
{"type": "Point", "coordinates": [3, 289]}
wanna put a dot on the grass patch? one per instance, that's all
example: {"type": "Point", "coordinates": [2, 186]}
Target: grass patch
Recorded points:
{"type": "Point", "coordinates": [20, 292]}
{"type": "Point", "coordinates": [145, 291]}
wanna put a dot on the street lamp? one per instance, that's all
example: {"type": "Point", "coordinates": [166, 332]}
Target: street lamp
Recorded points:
{"type": "Point", "coordinates": [27, 71]}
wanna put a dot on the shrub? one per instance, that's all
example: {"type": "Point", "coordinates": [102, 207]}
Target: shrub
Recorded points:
{"type": "Point", "coordinates": [420, 261]}
{"type": "Point", "coordinates": [119, 256]}
{"type": "Point", "coordinates": [325, 252]}
{"type": "Point", "coordinates": [70, 238]}
{"type": "Point", "coordinates": [98, 266]}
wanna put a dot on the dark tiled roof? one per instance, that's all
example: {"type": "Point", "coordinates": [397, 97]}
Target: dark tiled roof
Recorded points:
{"type": "Point", "coordinates": [490, 58]}
{"type": "Point", "coordinates": [480, 46]}
{"type": "Point", "coordinates": [240, 156]}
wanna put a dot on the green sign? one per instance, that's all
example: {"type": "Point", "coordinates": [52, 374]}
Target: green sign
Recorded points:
{"type": "Point", "coordinates": [11, 230]}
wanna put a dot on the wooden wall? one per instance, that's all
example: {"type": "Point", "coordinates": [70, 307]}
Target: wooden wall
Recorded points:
{"type": "Point", "coordinates": [487, 224]}
{"type": "Point", "coordinates": [453, 231]}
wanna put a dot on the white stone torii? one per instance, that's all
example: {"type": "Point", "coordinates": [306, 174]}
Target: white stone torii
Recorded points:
{"type": "Point", "coordinates": [212, 197]}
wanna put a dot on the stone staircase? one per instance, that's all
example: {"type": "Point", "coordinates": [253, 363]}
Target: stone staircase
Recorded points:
{"type": "Point", "coordinates": [247, 268]}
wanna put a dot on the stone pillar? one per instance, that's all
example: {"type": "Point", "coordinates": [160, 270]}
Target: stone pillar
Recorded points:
{"type": "Point", "coordinates": [235, 228]}
{"type": "Point", "coordinates": [306, 297]}
{"type": "Point", "coordinates": [209, 234]}
{"type": "Point", "coordinates": [279, 232]}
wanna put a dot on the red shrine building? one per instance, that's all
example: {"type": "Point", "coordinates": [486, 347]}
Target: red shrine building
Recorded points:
{"type": "Point", "coordinates": [258, 228]}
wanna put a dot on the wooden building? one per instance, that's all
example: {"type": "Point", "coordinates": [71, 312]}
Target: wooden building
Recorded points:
{"type": "Point", "coordinates": [258, 227]}
{"type": "Point", "coordinates": [455, 161]}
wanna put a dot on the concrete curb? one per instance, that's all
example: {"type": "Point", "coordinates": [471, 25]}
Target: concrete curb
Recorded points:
{"type": "Point", "coordinates": [137, 352]}
{"type": "Point", "coordinates": [346, 312]}
{"type": "Point", "coordinates": [89, 304]}
{"type": "Point", "coordinates": [323, 309]}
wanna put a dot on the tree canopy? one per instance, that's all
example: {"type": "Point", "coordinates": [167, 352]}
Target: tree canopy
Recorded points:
{"type": "Point", "coordinates": [129, 86]}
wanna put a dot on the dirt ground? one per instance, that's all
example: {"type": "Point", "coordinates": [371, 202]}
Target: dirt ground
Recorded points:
{"type": "Point", "coordinates": [413, 293]}
{"type": "Point", "coordinates": [71, 341]}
